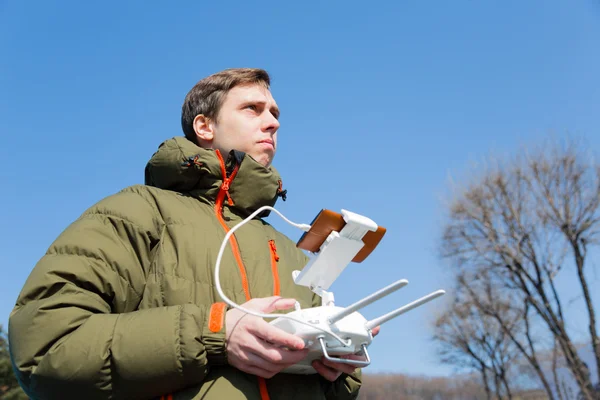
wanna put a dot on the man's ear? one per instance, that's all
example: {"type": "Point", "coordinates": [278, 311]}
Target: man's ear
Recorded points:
{"type": "Point", "coordinates": [204, 130]}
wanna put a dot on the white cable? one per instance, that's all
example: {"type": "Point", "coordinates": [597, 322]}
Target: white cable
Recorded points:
{"type": "Point", "coordinates": [303, 227]}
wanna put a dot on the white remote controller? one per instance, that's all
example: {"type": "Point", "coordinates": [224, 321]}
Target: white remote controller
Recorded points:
{"type": "Point", "coordinates": [330, 331]}
{"type": "Point", "coordinates": [352, 329]}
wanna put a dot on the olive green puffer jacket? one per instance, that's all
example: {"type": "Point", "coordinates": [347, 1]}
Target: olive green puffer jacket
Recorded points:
{"type": "Point", "coordinates": [123, 304]}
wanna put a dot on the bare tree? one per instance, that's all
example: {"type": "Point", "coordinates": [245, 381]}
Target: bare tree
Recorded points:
{"type": "Point", "coordinates": [510, 313]}
{"type": "Point", "coordinates": [471, 339]}
{"type": "Point", "coordinates": [562, 391]}
{"type": "Point", "coordinates": [524, 223]}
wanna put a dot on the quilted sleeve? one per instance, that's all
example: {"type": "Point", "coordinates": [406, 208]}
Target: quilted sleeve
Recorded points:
{"type": "Point", "coordinates": [75, 332]}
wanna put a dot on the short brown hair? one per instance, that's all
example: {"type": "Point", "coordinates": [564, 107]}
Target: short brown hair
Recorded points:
{"type": "Point", "coordinates": [208, 95]}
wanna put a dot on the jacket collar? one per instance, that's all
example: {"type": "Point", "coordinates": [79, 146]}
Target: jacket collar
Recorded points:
{"type": "Point", "coordinates": [182, 166]}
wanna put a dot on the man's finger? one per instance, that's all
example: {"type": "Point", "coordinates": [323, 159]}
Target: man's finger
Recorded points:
{"type": "Point", "coordinates": [278, 355]}
{"type": "Point", "coordinates": [341, 367]}
{"type": "Point", "coordinates": [258, 362]}
{"type": "Point", "coordinates": [276, 303]}
{"type": "Point", "coordinates": [326, 372]}
{"type": "Point", "coordinates": [274, 354]}
{"type": "Point", "coordinates": [375, 330]}
{"type": "Point", "coordinates": [354, 357]}
{"type": "Point", "coordinates": [255, 370]}
{"type": "Point", "coordinates": [276, 336]}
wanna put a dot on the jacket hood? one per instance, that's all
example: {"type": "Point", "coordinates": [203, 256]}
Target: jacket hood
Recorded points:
{"type": "Point", "coordinates": [182, 166]}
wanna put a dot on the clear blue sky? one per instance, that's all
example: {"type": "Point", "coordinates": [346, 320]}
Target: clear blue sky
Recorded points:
{"type": "Point", "coordinates": [381, 102]}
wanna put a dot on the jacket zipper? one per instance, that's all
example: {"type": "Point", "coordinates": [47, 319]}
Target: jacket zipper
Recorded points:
{"type": "Point", "coordinates": [274, 270]}
{"type": "Point", "coordinates": [224, 191]}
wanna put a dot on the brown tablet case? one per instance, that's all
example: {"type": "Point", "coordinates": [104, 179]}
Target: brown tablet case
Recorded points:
{"type": "Point", "coordinates": [328, 221]}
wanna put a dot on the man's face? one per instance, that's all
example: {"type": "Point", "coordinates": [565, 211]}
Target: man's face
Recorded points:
{"type": "Point", "coordinates": [246, 122]}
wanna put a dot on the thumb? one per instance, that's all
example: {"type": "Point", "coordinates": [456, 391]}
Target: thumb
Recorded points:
{"type": "Point", "coordinates": [275, 303]}
{"type": "Point", "coordinates": [375, 330]}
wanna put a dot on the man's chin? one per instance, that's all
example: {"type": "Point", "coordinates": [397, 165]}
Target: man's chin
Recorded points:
{"type": "Point", "coordinates": [263, 159]}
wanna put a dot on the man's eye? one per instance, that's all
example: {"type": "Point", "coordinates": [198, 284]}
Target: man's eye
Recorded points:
{"type": "Point", "coordinates": [251, 107]}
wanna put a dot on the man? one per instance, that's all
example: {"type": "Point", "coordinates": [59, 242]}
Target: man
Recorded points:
{"type": "Point", "coordinates": [123, 303]}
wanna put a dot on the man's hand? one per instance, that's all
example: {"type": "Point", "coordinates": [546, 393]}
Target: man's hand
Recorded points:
{"type": "Point", "coordinates": [332, 370]}
{"type": "Point", "coordinates": [256, 347]}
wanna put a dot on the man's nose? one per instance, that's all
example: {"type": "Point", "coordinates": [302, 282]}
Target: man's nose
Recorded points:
{"type": "Point", "coordinates": [270, 123]}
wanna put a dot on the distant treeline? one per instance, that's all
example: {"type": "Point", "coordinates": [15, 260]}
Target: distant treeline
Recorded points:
{"type": "Point", "coordinates": [406, 387]}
